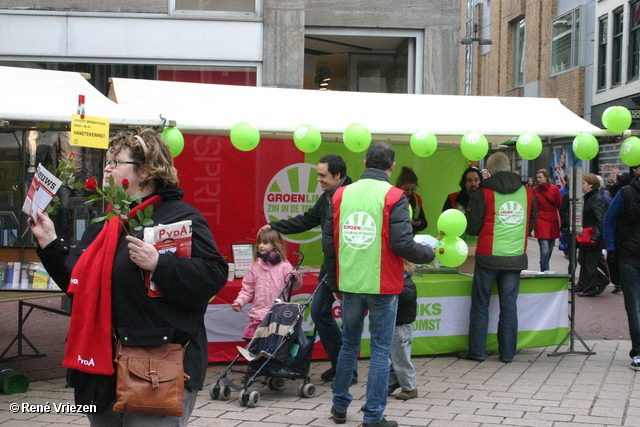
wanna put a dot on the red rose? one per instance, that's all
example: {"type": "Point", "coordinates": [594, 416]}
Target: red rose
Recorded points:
{"type": "Point", "coordinates": [125, 183]}
{"type": "Point", "coordinates": [71, 155]}
{"type": "Point", "coordinates": [91, 184]}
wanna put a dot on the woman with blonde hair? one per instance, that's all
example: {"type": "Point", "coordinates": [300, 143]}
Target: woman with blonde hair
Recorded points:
{"type": "Point", "coordinates": [106, 272]}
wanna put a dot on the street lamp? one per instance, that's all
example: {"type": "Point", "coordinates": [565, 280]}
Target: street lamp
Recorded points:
{"type": "Point", "coordinates": [468, 42]}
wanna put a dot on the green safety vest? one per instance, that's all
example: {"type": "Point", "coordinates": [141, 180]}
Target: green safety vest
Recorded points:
{"type": "Point", "coordinates": [505, 223]}
{"type": "Point", "coordinates": [366, 264]}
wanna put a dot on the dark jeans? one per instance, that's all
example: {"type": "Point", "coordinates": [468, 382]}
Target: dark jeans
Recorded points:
{"type": "Point", "coordinates": [326, 325]}
{"type": "Point", "coordinates": [508, 287]}
{"type": "Point", "coordinates": [594, 273]}
{"type": "Point", "coordinates": [630, 282]}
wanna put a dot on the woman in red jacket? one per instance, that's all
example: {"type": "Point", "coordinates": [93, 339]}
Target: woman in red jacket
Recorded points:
{"type": "Point", "coordinates": [547, 228]}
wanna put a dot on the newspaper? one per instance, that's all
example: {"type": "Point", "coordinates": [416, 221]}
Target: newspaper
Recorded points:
{"type": "Point", "coordinates": [167, 238]}
{"type": "Point", "coordinates": [44, 187]}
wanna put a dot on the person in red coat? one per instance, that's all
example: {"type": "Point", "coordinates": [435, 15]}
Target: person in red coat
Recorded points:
{"type": "Point", "coordinates": [407, 182]}
{"type": "Point", "coordinates": [547, 228]}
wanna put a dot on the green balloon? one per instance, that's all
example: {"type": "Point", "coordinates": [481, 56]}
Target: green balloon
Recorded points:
{"type": "Point", "coordinates": [474, 146]}
{"type": "Point", "coordinates": [244, 136]}
{"type": "Point", "coordinates": [616, 119]}
{"type": "Point", "coordinates": [452, 251]}
{"type": "Point", "coordinates": [357, 137]}
{"type": "Point", "coordinates": [174, 139]}
{"type": "Point", "coordinates": [529, 145]}
{"type": "Point", "coordinates": [452, 223]}
{"type": "Point", "coordinates": [630, 151]}
{"type": "Point", "coordinates": [585, 146]}
{"type": "Point", "coordinates": [307, 138]}
{"type": "Point", "coordinates": [423, 143]}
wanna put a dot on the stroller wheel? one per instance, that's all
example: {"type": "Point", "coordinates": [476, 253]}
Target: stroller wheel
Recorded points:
{"type": "Point", "coordinates": [225, 392]}
{"type": "Point", "coordinates": [254, 399]}
{"type": "Point", "coordinates": [215, 392]}
{"type": "Point", "coordinates": [307, 390]}
{"type": "Point", "coordinates": [276, 384]}
{"type": "Point", "coordinates": [243, 398]}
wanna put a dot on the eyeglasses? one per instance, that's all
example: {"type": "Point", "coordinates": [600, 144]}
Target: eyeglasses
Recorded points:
{"type": "Point", "coordinates": [114, 163]}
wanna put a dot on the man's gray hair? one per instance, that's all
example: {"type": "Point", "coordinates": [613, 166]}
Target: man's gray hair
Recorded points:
{"type": "Point", "coordinates": [380, 156]}
{"type": "Point", "coordinates": [498, 162]}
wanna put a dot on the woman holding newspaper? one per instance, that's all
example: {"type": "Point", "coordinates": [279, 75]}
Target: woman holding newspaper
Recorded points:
{"type": "Point", "coordinates": [105, 274]}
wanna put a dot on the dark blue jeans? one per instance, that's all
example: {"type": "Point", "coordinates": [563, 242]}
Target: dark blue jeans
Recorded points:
{"type": "Point", "coordinates": [508, 287]}
{"type": "Point", "coordinates": [382, 322]}
{"type": "Point", "coordinates": [326, 325]}
{"type": "Point", "coordinates": [630, 282]}
{"type": "Point", "coordinates": [546, 249]}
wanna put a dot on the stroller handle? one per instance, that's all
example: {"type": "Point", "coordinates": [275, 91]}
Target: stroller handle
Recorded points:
{"type": "Point", "coordinates": [288, 287]}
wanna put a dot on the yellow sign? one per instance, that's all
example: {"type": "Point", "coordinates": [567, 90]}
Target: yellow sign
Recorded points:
{"type": "Point", "coordinates": [90, 131]}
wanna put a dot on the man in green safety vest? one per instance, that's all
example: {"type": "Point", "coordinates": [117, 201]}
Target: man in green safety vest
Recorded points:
{"type": "Point", "coordinates": [365, 238]}
{"type": "Point", "coordinates": [501, 213]}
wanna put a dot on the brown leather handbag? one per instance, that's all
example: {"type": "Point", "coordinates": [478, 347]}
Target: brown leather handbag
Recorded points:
{"type": "Point", "coordinates": [150, 379]}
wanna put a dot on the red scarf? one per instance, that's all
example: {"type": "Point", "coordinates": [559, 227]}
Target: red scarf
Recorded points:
{"type": "Point", "coordinates": [89, 345]}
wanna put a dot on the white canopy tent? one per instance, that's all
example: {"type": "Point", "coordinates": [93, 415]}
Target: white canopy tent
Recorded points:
{"type": "Point", "coordinates": [34, 95]}
{"type": "Point", "coordinates": [214, 109]}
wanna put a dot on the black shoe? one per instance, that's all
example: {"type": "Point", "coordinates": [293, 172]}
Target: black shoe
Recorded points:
{"type": "Point", "coordinates": [464, 355]}
{"type": "Point", "coordinates": [354, 380]}
{"type": "Point", "coordinates": [338, 417]}
{"type": "Point", "coordinates": [382, 423]}
{"type": "Point", "coordinates": [329, 374]}
{"type": "Point", "coordinates": [587, 294]}
{"type": "Point", "coordinates": [616, 290]}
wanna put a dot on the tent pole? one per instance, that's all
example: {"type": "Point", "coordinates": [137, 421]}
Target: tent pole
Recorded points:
{"type": "Point", "coordinates": [572, 334]}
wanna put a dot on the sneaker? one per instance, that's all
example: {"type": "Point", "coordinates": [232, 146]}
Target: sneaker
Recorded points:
{"type": "Point", "coordinates": [406, 395]}
{"type": "Point", "coordinates": [392, 388]}
{"type": "Point", "coordinates": [329, 374]}
{"type": "Point", "coordinates": [382, 423]}
{"type": "Point", "coordinates": [616, 290]}
{"type": "Point", "coordinates": [635, 363]}
{"type": "Point", "coordinates": [338, 417]}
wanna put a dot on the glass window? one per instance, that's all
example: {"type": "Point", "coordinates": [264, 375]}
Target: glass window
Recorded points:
{"type": "Point", "coordinates": [517, 39]}
{"type": "Point", "coordinates": [565, 41]}
{"type": "Point", "coordinates": [239, 76]}
{"type": "Point", "coordinates": [244, 6]}
{"type": "Point", "coordinates": [634, 41]}
{"type": "Point", "coordinates": [616, 49]}
{"type": "Point", "coordinates": [603, 25]}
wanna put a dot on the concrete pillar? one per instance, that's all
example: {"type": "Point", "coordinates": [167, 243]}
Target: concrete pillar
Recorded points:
{"type": "Point", "coordinates": [283, 51]}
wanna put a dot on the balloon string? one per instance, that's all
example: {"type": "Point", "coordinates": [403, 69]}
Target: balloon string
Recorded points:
{"type": "Point", "coordinates": [229, 304]}
{"type": "Point", "coordinates": [440, 235]}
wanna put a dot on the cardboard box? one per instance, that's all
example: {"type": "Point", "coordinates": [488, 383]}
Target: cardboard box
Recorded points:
{"type": "Point", "coordinates": [469, 265]}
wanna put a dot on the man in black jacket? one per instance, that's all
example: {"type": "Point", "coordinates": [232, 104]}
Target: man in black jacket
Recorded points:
{"type": "Point", "coordinates": [622, 235]}
{"type": "Point", "coordinates": [332, 174]}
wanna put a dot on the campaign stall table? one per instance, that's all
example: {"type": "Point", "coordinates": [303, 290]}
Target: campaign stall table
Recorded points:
{"type": "Point", "coordinates": [442, 323]}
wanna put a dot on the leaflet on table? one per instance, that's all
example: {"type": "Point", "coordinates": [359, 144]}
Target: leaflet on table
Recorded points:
{"type": "Point", "coordinates": [43, 189]}
{"type": "Point", "coordinates": [167, 238]}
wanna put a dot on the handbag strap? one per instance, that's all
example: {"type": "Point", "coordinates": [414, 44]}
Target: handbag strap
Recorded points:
{"type": "Point", "coordinates": [546, 198]}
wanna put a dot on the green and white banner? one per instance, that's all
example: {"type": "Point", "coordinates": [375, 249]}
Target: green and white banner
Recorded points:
{"type": "Point", "coordinates": [444, 303]}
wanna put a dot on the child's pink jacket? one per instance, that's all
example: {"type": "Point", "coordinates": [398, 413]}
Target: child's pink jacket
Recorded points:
{"type": "Point", "coordinates": [261, 285]}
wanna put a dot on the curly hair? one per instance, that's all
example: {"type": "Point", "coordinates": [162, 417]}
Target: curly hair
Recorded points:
{"type": "Point", "coordinates": [151, 151]}
{"type": "Point", "coordinates": [407, 176]}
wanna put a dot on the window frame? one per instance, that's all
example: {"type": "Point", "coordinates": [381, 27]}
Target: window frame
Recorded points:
{"type": "Point", "coordinates": [518, 56]}
{"type": "Point", "coordinates": [617, 45]}
{"type": "Point", "coordinates": [633, 53]}
{"type": "Point", "coordinates": [257, 13]}
{"type": "Point", "coordinates": [574, 41]}
{"type": "Point", "coordinates": [603, 39]}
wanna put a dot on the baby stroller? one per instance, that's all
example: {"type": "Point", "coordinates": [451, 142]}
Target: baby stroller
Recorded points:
{"type": "Point", "coordinates": [278, 351]}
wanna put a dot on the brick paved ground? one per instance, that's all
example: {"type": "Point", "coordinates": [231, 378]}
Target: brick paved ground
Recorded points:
{"type": "Point", "coordinates": [534, 390]}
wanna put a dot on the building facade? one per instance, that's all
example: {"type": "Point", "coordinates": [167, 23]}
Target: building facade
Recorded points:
{"type": "Point", "coordinates": [536, 49]}
{"type": "Point", "coordinates": [617, 72]}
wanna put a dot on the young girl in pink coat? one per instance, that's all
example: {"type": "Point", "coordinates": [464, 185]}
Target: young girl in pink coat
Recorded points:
{"type": "Point", "coordinates": [265, 279]}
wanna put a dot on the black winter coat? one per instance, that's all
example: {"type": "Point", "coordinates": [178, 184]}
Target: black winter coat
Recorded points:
{"type": "Point", "coordinates": [407, 303]}
{"type": "Point", "coordinates": [314, 217]}
{"type": "Point", "coordinates": [595, 208]}
{"type": "Point", "coordinates": [187, 285]}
